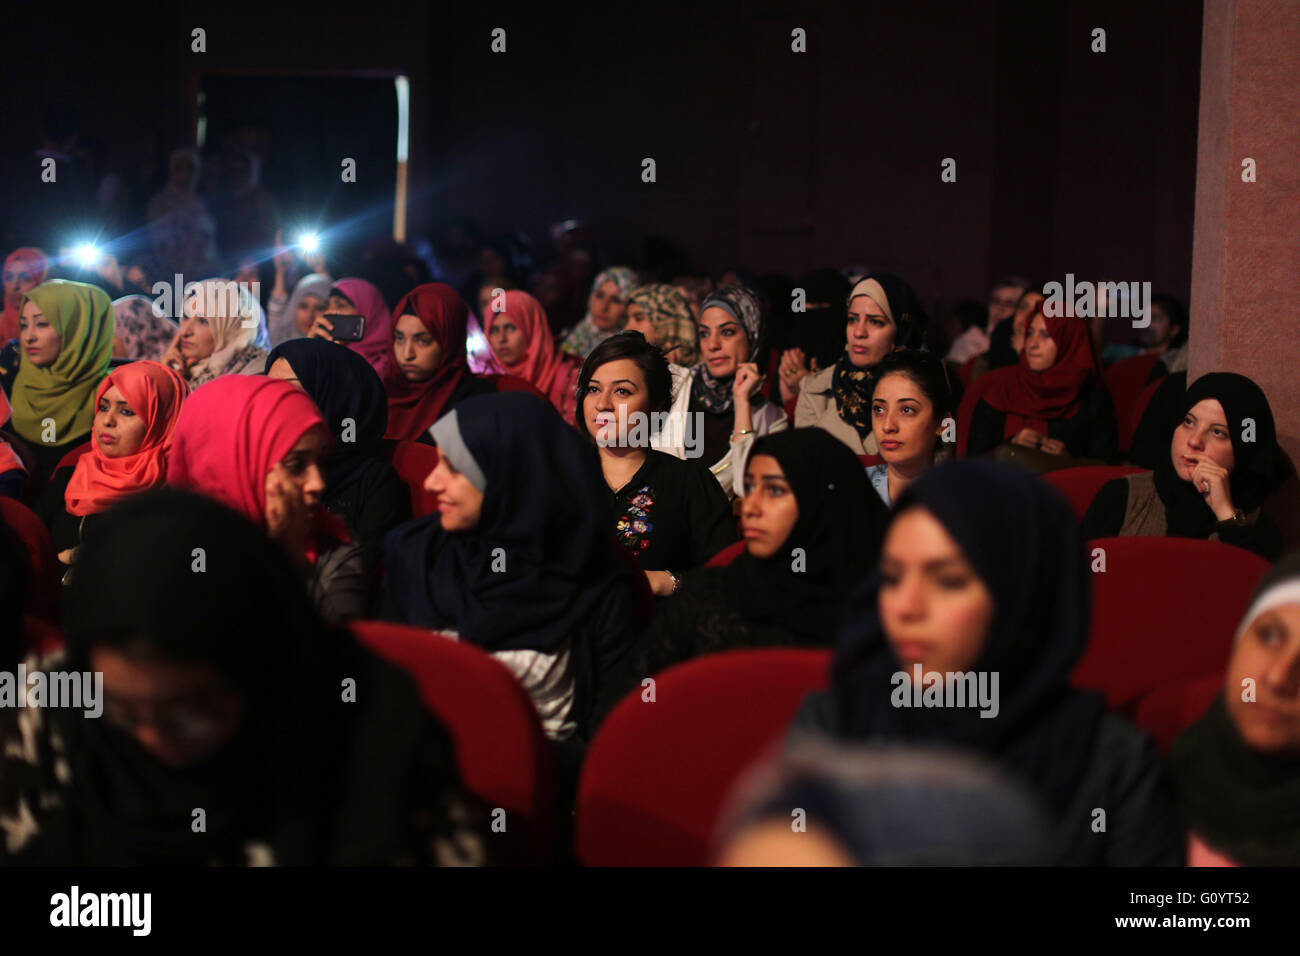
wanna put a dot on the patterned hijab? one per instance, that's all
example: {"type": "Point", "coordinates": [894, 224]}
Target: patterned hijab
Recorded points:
{"type": "Point", "coordinates": [65, 390]}
{"type": "Point", "coordinates": [584, 336]}
{"type": "Point", "coordinates": [155, 393]}
{"type": "Point", "coordinates": [143, 332]}
{"type": "Point", "coordinates": [714, 394]}
{"type": "Point", "coordinates": [852, 385]}
{"type": "Point", "coordinates": [34, 263]}
{"type": "Point", "coordinates": [285, 328]}
{"type": "Point", "coordinates": [236, 325]}
{"type": "Point", "coordinates": [674, 325]}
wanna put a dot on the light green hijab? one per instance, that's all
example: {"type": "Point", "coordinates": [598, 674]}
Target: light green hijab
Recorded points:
{"type": "Point", "coordinates": [82, 314]}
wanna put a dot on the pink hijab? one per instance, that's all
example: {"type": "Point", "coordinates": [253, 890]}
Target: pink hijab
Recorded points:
{"type": "Point", "coordinates": [543, 365]}
{"type": "Point", "coordinates": [32, 261]}
{"type": "Point", "coordinates": [377, 340]}
{"type": "Point", "coordinates": [232, 432]}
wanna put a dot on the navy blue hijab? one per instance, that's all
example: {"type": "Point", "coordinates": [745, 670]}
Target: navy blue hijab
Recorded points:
{"type": "Point", "coordinates": [545, 506]}
{"type": "Point", "coordinates": [346, 389]}
{"type": "Point", "coordinates": [1023, 541]}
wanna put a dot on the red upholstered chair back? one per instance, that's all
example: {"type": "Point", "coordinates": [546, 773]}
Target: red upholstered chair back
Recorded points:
{"type": "Point", "coordinates": [1080, 485]}
{"type": "Point", "coordinates": [969, 399]}
{"type": "Point", "coordinates": [1126, 380]}
{"type": "Point", "coordinates": [728, 554]}
{"type": "Point", "coordinates": [1168, 710]}
{"type": "Point", "coordinates": [503, 755]}
{"type": "Point", "coordinates": [656, 775]}
{"type": "Point", "coordinates": [1165, 609]}
{"type": "Point", "coordinates": [413, 461]}
{"type": "Point", "coordinates": [513, 383]}
{"type": "Point", "coordinates": [869, 460]}
{"type": "Point", "coordinates": [40, 636]}
{"type": "Point", "coordinates": [42, 558]}
{"type": "Point", "coordinates": [71, 457]}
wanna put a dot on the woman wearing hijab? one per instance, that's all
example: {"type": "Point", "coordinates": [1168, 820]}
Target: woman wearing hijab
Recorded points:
{"type": "Point", "coordinates": [136, 408]}
{"type": "Point", "coordinates": [359, 297]}
{"type": "Point", "coordinates": [221, 691]}
{"type": "Point", "coordinates": [1222, 463]}
{"type": "Point", "coordinates": [883, 315]}
{"type": "Point", "coordinates": [184, 233]}
{"type": "Point", "coordinates": [25, 268]}
{"type": "Point", "coordinates": [668, 511]}
{"type": "Point", "coordinates": [219, 334]}
{"type": "Point", "coordinates": [258, 445]}
{"type": "Point", "coordinates": [429, 376]}
{"type": "Point", "coordinates": [879, 806]}
{"type": "Point", "coordinates": [522, 345]}
{"type": "Point", "coordinates": [308, 302]}
{"type": "Point", "coordinates": [722, 393]}
{"type": "Point", "coordinates": [518, 560]}
{"type": "Point", "coordinates": [66, 338]}
{"type": "Point", "coordinates": [811, 527]}
{"type": "Point", "coordinates": [1053, 400]}
{"type": "Point", "coordinates": [361, 488]}
{"type": "Point", "coordinates": [661, 313]}
{"type": "Point", "coordinates": [982, 595]}
{"type": "Point", "coordinates": [911, 408]}
{"type": "Point", "coordinates": [139, 331]}
{"type": "Point", "coordinates": [605, 311]}
{"type": "Point", "coordinates": [1237, 770]}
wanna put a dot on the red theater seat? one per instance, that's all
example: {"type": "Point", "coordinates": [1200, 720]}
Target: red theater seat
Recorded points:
{"type": "Point", "coordinates": [1080, 485]}
{"type": "Point", "coordinates": [1164, 610]}
{"type": "Point", "coordinates": [70, 459]}
{"type": "Point", "coordinates": [969, 399]}
{"type": "Point", "coordinates": [513, 383]}
{"type": "Point", "coordinates": [726, 555]}
{"type": "Point", "coordinates": [502, 753]}
{"type": "Point", "coordinates": [42, 558]}
{"type": "Point", "coordinates": [656, 774]}
{"type": "Point", "coordinates": [413, 461]}
{"type": "Point", "coordinates": [1126, 380]}
{"type": "Point", "coordinates": [1167, 711]}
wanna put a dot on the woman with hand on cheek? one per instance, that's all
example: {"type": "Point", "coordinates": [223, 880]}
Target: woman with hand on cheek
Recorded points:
{"type": "Point", "coordinates": [429, 375]}
{"type": "Point", "coordinates": [258, 445]}
{"type": "Point", "coordinates": [1053, 400]}
{"type": "Point", "coordinates": [983, 580]}
{"type": "Point", "coordinates": [135, 416]}
{"type": "Point", "coordinates": [1237, 770]}
{"type": "Point", "coordinates": [218, 334]}
{"type": "Point", "coordinates": [722, 396]}
{"type": "Point", "coordinates": [911, 407]}
{"type": "Point", "coordinates": [1223, 463]}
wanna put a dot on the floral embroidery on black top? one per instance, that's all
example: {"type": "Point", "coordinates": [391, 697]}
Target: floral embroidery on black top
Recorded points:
{"type": "Point", "coordinates": [634, 526]}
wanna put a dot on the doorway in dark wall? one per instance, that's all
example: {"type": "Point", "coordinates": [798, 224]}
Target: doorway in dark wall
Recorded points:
{"type": "Point", "coordinates": [302, 129]}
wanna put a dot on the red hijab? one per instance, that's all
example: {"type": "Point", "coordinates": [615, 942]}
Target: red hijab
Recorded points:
{"type": "Point", "coordinates": [543, 365]}
{"type": "Point", "coordinates": [376, 343]}
{"type": "Point", "coordinates": [413, 407]}
{"type": "Point", "coordinates": [232, 432]}
{"type": "Point", "coordinates": [33, 262]}
{"type": "Point", "coordinates": [9, 459]}
{"type": "Point", "coordinates": [1031, 399]}
{"type": "Point", "coordinates": [156, 394]}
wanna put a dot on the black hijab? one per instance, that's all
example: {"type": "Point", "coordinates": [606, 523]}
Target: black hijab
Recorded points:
{"type": "Point", "coordinates": [820, 331]}
{"type": "Point", "coordinates": [1023, 541]}
{"type": "Point", "coordinates": [840, 524]}
{"type": "Point", "coordinates": [1241, 801]}
{"type": "Point", "coordinates": [298, 776]}
{"type": "Point", "coordinates": [853, 386]}
{"type": "Point", "coordinates": [545, 516]}
{"type": "Point", "coordinates": [1257, 468]}
{"type": "Point", "coordinates": [350, 395]}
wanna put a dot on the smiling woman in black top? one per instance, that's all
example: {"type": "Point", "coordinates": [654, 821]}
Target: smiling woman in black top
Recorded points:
{"type": "Point", "coordinates": [669, 512]}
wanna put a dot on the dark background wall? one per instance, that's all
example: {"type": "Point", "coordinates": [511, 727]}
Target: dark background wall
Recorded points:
{"type": "Point", "coordinates": [1066, 160]}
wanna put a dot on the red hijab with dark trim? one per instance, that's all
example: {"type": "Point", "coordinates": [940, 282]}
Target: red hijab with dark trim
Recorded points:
{"type": "Point", "coordinates": [1031, 399]}
{"type": "Point", "coordinates": [413, 407]}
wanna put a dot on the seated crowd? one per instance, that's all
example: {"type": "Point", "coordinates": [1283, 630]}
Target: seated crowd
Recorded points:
{"type": "Point", "coordinates": [685, 471]}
